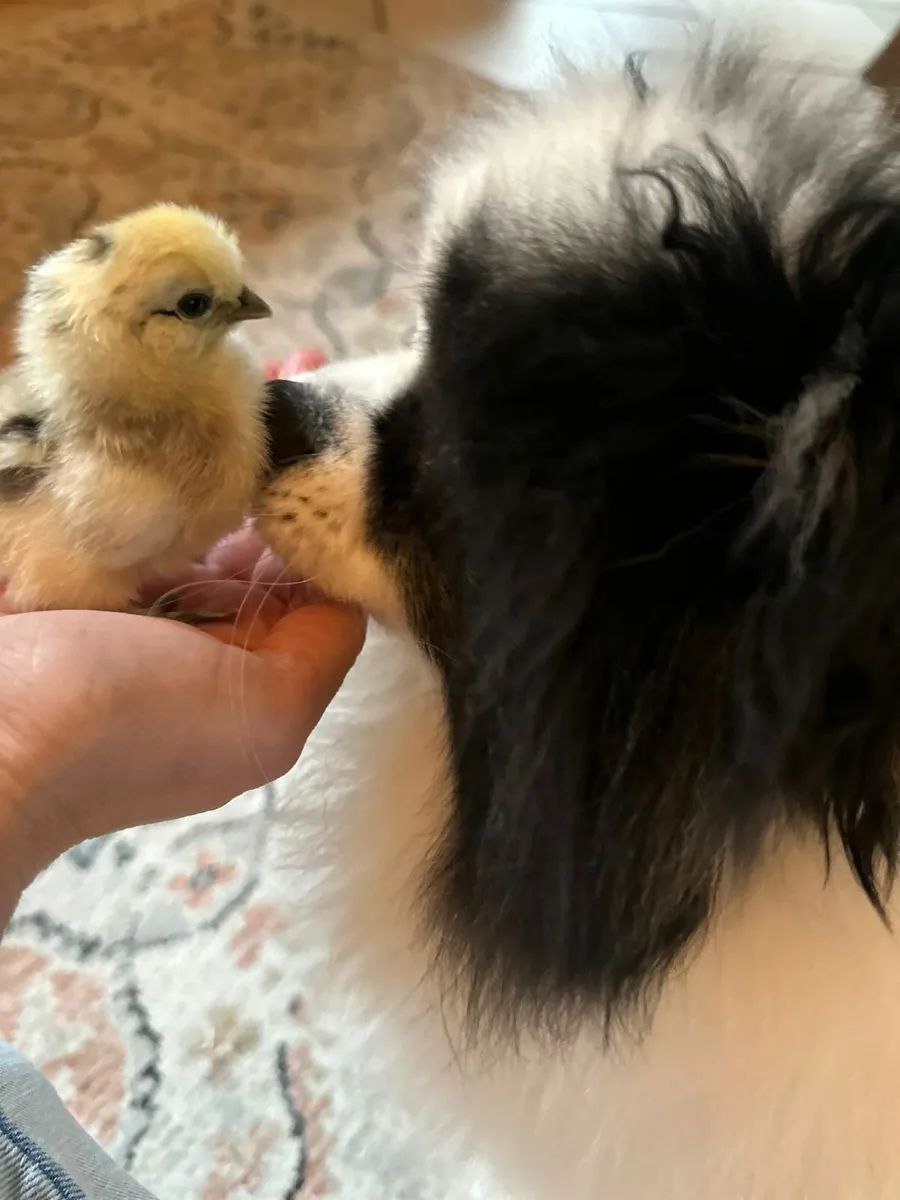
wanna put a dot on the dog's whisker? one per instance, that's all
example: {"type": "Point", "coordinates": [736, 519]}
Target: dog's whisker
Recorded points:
{"type": "Point", "coordinates": [676, 539]}
{"type": "Point", "coordinates": [755, 431]}
{"type": "Point", "coordinates": [162, 604]}
{"type": "Point", "coordinates": [737, 460]}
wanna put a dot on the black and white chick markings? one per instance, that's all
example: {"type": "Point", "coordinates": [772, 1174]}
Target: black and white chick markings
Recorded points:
{"type": "Point", "coordinates": [131, 424]}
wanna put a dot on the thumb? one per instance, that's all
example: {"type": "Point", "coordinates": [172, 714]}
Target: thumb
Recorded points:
{"type": "Point", "coordinates": [310, 652]}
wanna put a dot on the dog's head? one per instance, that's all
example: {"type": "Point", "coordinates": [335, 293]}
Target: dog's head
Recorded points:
{"type": "Point", "coordinates": [637, 491]}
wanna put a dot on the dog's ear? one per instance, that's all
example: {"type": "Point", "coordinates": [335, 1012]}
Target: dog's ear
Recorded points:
{"type": "Point", "coordinates": [592, 505]}
{"type": "Point", "coordinates": [817, 702]}
{"type": "Point", "coordinates": [615, 756]}
{"type": "Point", "coordinates": [586, 843]}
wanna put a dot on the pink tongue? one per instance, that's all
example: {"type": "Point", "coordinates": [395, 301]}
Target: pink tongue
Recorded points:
{"type": "Point", "coordinates": [297, 363]}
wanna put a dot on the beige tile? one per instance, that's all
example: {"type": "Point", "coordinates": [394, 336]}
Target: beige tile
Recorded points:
{"type": "Point", "coordinates": [518, 44]}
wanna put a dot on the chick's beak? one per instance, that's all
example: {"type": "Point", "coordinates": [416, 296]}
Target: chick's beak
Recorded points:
{"type": "Point", "coordinates": [250, 307]}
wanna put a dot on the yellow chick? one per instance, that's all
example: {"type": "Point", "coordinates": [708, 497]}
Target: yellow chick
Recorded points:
{"type": "Point", "coordinates": [131, 424]}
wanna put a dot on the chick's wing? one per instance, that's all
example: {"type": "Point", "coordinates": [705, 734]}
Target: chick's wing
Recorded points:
{"type": "Point", "coordinates": [119, 514]}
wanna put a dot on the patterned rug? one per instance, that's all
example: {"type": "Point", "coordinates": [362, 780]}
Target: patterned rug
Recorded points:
{"type": "Point", "coordinates": [147, 974]}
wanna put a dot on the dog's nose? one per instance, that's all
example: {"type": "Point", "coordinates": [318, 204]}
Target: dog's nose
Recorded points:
{"type": "Point", "coordinates": [293, 422]}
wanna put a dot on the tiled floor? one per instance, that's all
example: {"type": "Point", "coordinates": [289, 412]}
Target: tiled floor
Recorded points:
{"type": "Point", "coordinates": [520, 42]}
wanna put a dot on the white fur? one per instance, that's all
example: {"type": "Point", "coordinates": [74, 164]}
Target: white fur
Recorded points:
{"type": "Point", "coordinates": [770, 1073]}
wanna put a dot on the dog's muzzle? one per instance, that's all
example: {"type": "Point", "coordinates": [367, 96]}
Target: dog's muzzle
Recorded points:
{"type": "Point", "coordinates": [297, 423]}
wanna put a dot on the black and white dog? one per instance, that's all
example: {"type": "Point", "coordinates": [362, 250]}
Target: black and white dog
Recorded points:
{"type": "Point", "coordinates": [635, 493]}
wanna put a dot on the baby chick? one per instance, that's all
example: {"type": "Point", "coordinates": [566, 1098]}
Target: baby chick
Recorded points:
{"type": "Point", "coordinates": [131, 424]}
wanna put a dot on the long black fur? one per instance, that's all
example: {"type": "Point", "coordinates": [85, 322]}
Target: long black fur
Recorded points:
{"type": "Point", "coordinates": [651, 499]}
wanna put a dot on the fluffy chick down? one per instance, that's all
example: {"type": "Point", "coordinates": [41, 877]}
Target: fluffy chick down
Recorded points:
{"type": "Point", "coordinates": [131, 424]}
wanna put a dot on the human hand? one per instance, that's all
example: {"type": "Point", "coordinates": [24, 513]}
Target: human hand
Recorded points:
{"type": "Point", "coordinates": [110, 720]}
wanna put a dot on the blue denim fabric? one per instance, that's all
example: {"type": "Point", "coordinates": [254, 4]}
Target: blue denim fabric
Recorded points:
{"type": "Point", "coordinates": [44, 1152]}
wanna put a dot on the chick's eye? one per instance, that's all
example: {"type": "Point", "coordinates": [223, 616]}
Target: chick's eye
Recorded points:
{"type": "Point", "coordinates": [194, 304]}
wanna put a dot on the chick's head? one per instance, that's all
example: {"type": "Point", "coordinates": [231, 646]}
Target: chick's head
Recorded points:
{"type": "Point", "coordinates": [167, 279]}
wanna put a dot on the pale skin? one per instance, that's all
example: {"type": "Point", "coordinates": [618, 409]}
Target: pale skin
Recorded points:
{"type": "Point", "coordinates": [109, 720]}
